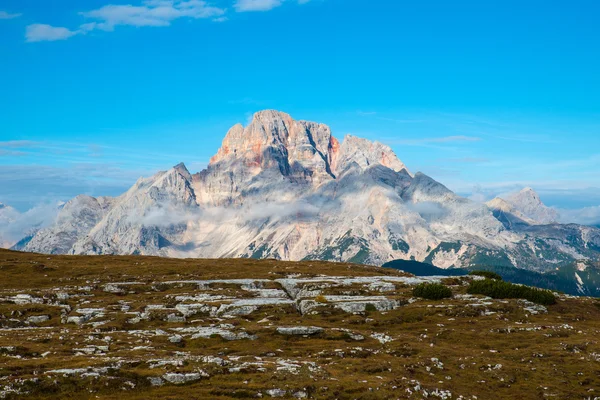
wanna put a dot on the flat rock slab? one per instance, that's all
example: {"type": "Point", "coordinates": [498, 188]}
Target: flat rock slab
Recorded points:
{"type": "Point", "coordinates": [299, 330]}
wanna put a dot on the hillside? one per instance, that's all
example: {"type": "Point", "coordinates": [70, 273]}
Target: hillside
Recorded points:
{"type": "Point", "coordinates": [133, 327]}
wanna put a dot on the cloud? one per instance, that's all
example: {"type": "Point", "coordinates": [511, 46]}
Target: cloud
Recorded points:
{"type": "Point", "coordinates": [24, 186]}
{"type": "Point", "coordinates": [260, 5]}
{"type": "Point", "coordinates": [151, 13]}
{"type": "Point", "coordinates": [155, 13]}
{"type": "Point", "coordinates": [13, 153]}
{"type": "Point", "coordinates": [467, 160]}
{"type": "Point", "coordinates": [583, 216]}
{"type": "Point", "coordinates": [429, 210]}
{"type": "Point", "coordinates": [43, 32]}
{"type": "Point", "coordinates": [17, 226]}
{"type": "Point", "coordinates": [166, 215]}
{"type": "Point", "coordinates": [18, 143]}
{"type": "Point", "coordinates": [5, 15]}
{"type": "Point", "coordinates": [256, 5]}
{"type": "Point", "coordinates": [445, 139]}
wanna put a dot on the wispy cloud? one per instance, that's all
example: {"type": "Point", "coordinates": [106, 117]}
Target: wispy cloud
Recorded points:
{"type": "Point", "coordinates": [153, 13]}
{"type": "Point", "coordinates": [584, 216]}
{"type": "Point", "coordinates": [6, 15]}
{"type": "Point", "coordinates": [150, 13]}
{"type": "Point", "coordinates": [15, 226]}
{"type": "Point", "coordinates": [256, 5]}
{"type": "Point", "coordinates": [13, 153]}
{"type": "Point", "coordinates": [43, 32]}
{"type": "Point", "coordinates": [249, 101]}
{"type": "Point", "coordinates": [260, 5]}
{"type": "Point", "coordinates": [437, 140]}
{"type": "Point", "coordinates": [377, 115]}
{"type": "Point", "coordinates": [18, 143]}
{"type": "Point", "coordinates": [467, 160]}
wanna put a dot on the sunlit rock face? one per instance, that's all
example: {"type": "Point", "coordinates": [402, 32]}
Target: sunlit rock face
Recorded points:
{"type": "Point", "coordinates": [286, 189]}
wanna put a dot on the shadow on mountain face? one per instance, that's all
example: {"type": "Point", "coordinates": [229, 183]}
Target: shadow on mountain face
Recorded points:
{"type": "Point", "coordinates": [423, 269]}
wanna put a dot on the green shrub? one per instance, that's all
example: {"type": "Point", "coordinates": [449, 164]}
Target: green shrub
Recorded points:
{"type": "Point", "coordinates": [370, 307]}
{"type": "Point", "coordinates": [432, 291]}
{"type": "Point", "coordinates": [487, 274]}
{"type": "Point", "coordinates": [505, 290]}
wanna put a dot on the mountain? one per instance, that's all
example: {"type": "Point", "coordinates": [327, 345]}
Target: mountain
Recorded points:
{"type": "Point", "coordinates": [75, 219]}
{"type": "Point", "coordinates": [508, 214]}
{"type": "Point", "coordinates": [286, 189]}
{"type": "Point", "coordinates": [526, 206]}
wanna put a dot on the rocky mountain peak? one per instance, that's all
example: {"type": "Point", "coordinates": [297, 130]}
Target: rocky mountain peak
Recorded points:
{"type": "Point", "coordinates": [528, 194]}
{"type": "Point", "coordinates": [183, 171]}
{"type": "Point", "coordinates": [364, 153]}
{"type": "Point", "coordinates": [529, 204]}
{"type": "Point", "coordinates": [300, 149]}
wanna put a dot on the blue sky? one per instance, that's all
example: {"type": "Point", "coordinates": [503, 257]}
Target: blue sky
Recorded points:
{"type": "Point", "coordinates": [485, 96]}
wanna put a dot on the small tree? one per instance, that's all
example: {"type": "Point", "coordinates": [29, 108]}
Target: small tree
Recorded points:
{"type": "Point", "coordinates": [432, 291]}
{"type": "Point", "coordinates": [505, 290]}
{"type": "Point", "coordinates": [487, 274]}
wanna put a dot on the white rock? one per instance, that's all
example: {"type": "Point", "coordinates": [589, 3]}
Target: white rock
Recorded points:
{"type": "Point", "coordinates": [299, 330]}
{"type": "Point", "coordinates": [276, 392]}
{"type": "Point", "coordinates": [38, 319]}
{"type": "Point", "coordinates": [179, 379]}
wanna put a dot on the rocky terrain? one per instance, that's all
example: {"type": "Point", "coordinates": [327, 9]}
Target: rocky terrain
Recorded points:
{"type": "Point", "coordinates": [113, 327]}
{"type": "Point", "coordinates": [286, 189]}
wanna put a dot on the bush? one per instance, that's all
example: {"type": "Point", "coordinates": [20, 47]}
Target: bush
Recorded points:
{"type": "Point", "coordinates": [370, 307]}
{"type": "Point", "coordinates": [505, 290]}
{"type": "Point", "coordinates": [487, 274]}
{"type": "Point", "coordinates": [321, 299]}
{"type": "Point", "coordinates": [432, 291]}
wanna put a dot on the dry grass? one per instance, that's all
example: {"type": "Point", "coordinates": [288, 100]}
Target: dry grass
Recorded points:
{"type": "Point", "coordinates": [494, 350]}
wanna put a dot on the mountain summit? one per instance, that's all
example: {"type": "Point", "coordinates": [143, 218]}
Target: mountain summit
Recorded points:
{"type": "Point", "coordinates": [286, 189]}
{"type": "Point", "coordinates": [526, 206]}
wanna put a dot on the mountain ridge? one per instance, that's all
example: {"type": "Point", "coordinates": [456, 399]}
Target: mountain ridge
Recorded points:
{"type": "Point", "coordinates": [286, 189]}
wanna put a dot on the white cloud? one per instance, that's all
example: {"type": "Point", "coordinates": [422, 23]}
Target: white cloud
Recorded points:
{"type": "Point", "coordinates": [260, 5]}
{"type": "Point", "coordinates": [17, 225]}
{"type": "Point", "coordinates": [154, 13]}
{"type": "Point", "coordinates": [446, 139]}
{"type": "Point", "coordinates": [165, 214]}
{"type": "Point", "coordinates": [43, 32]}
{"type": "Point", "coordinates": [5, 15]}
{"type": "Point", "coordinates": [150, 13]}
{"type": "Point", "coordinates": [256, 5]}
{"type": "Point", "coordinates": [583, 216]}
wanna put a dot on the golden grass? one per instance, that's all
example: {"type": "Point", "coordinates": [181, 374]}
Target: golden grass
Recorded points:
{"type": "Point", "coordinates": [554, 355]}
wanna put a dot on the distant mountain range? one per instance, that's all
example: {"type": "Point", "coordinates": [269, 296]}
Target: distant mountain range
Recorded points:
{"type": "Point", "coordinates": [287, 189]}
